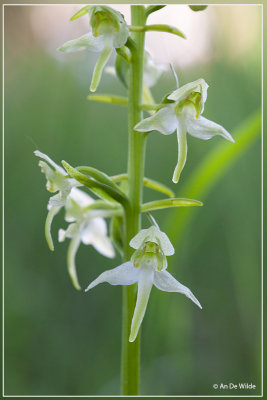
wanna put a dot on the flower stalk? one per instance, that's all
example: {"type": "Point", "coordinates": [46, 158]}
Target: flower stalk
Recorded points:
{"type": "Point", "coordinates": [136, 160]}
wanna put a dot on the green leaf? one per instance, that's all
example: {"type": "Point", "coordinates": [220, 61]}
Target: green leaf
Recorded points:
{"type": "Point", "coordinates": [80, 13]}
{"type": "Point", "coordinates": [198, 8]}
{"type": "Point", "coordinates": [100, 189]}
{"type": "Point", "coordinates": [108, 98]}
{"type": "Point", "coordinates": [158, 28]}
{"type": "Point", "coordinates": [167, 203]}
{"type": "Point", "coordinates": [159, 187]}
{"type": "Point", "coordinates": [103, 205]}
{"type": "Point", "coordinates": [150, 183]}
{"type": "Point", "coordinates": [99, 176]}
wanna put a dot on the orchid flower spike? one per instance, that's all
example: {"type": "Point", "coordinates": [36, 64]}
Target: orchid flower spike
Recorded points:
{"type": "Point", "coordinates": [182, 112]}
{"type": "Point", "coordinates": [109, 30]}
{"type": "Point", "coordinates": [147, 267]}
{"type": "Point", "coordinates": [56, 181]}
{"type": "Point", "coordinates": [85, 226]}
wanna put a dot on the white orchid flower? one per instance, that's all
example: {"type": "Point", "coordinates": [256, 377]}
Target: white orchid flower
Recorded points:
{"type": "Point", "coordinates": [86, 227]}
{"type": "Point", "coordinates": [182, 112]}
{"type": "Point", "coordinates": [109, 30]}
{"type": "Point", "coordinates": [56, 181]}
{"type": "Point", "coordinates": [147, 267]}
{"type": "Point", "coordinates": [152, 73]}
{"type": "Point", "coordinates": [152, 70]}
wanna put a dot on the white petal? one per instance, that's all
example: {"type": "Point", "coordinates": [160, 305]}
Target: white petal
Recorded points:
{"type": "Point", "coordinates": [50, 175]}
{"type": "Point", "coordinates": [51, 162]}
{"type": "Point", "coordinates": [120, 37]}
{"type": "Point", "coordinates": [163, 121]}
{"type": "Point", "coordinates": [197, 86]}
{"type": "Point", "coordinates": [145, 283]}
{"type": "Point", "coordinates": [203, 128]}
{"type": "Point", "coordinates": [94, 232]}
{"type": "Point", "coordinates": [61, 235]}
{"type": "Point", "coordinates": [124, 274]}
{"type": "Point", "coordinates": [153, 234]}
{"type": "Point", "coordinates": [182, 150]}
{"type": "Point", "coordinates": [59, 200]}
{"type": "Point", "coordinates": [85, 42]}
{"type": "Point", "coordinates": [152, 71]}
{"type": "Point", "coordinates": [76, 202]}
{"type": "Point", "coordinates": [48, 222]}
{"type": "Point", "coordinates": [164, 281]}
{"type": "Point", "coordinates": [103, 245]}
{"type": "Point", "coordinates": [70, 232]}
{"type": "Point", "coordinates": [91, 228]}
{"type": "Point", "coordinates": [72, 250]}
{"type": "Point", "coordinates": [81, 198]}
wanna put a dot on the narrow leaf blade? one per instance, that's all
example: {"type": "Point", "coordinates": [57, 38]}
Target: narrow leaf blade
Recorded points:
{"type": "Point", "coordinates": [167, 203]}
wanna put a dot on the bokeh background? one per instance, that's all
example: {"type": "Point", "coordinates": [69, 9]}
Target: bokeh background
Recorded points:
{"type": "Point", "coordinates": [59, 341]}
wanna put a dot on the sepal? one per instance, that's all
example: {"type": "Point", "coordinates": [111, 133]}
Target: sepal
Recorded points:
{"type": "Point", "coordinates": [81, 12]}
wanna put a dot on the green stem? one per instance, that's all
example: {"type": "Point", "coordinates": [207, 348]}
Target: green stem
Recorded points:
{"type": "Point", "coordinates": [136, 157]}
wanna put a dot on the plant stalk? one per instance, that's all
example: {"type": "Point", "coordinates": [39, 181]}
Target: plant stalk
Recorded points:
{"type": "Point", "coordinates": [130, 364]}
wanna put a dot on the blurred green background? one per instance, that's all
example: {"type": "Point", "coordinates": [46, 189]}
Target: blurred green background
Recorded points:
{"type": "Point", "coordinates": [59, 341]}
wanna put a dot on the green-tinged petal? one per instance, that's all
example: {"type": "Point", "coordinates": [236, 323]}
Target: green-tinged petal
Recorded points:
{"type": "Point", "coordinates": [50, 175]}
{"type": "Point", "coordinates": [153, 234]}
{"type": "Point", "coordinates": [167, 203]}
{"type": "Point", "coordinates": [106, 21]}
{"type": "Point", "coordinates": [72, 250]}
{"type": "Point", "coordinates": [124, 274]}
{"type": "Point", "coordinates": [120, 37]}
{"type": "Point", "coordinates": [164, 281]}
{"type": "Point", "coordinates": [48, 222]}
{"type": "Point", "coordinates": [163, 121]}
{"type": "Point", "coordinates": [85, 42]}
{"type": "Point", "coordinates": [101, 62]}
{"type": "Point", "coordinates": [183, 92]}
{"type": "Point", "coordinates": [145, 282]}
{"type": "Point", "coordinates": [80, 13]}
{"type": "Point", "coordinates": [182, 150]}
{"type": "Point", "coordinates": [202, 128]}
